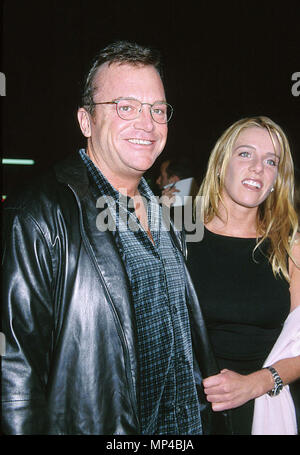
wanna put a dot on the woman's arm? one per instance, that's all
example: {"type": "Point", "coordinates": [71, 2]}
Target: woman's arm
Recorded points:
{"type": "Point", "coordinates": [294, 269]}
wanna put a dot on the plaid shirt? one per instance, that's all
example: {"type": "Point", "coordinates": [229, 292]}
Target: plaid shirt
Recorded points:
{"type": "Point", "coordinates": [168, 400]}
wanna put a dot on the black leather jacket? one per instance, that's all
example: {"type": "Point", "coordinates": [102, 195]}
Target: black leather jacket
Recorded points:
{"type": "Point", "coordinates": [70, 365]}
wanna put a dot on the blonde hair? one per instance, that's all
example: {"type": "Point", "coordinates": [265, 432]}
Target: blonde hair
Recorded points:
{"type": "Point", "coordinates": [276, 216]}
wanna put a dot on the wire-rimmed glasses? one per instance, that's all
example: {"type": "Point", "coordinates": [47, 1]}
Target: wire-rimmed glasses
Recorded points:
{"type": "Point", "coordinates": [130, 109]}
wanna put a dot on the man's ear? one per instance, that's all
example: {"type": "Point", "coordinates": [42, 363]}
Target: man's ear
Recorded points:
{"type": "Point", "coordinates": [84, 121]}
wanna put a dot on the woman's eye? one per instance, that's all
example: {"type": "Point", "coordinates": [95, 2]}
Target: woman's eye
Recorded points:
{"type": "Point", "coordinates": [271, 162]}
{"type": "Point", "coordinates": [244, 154]}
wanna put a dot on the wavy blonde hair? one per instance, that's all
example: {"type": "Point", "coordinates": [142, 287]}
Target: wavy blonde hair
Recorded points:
{"type": "Point", "coordinates": [276, 217]}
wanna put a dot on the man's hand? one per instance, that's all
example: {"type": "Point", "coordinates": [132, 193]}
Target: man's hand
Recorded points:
{"type": "Point", "coordinates": [168, 196]}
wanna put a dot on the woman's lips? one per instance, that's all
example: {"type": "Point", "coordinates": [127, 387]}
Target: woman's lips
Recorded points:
{"type": "Point", "coordinates": [252, 184]}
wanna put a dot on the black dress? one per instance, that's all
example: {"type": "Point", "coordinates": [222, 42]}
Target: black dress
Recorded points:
{"type": "Point", "coordinates": [243, 303]}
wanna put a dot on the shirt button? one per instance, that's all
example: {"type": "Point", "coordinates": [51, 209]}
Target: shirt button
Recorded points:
{"type": "Point", "coordinates": [169, 406]}
{"type": "Point", "coordinates": [180, 410]}
{"type": "Point", "coordinates": [174, 309]}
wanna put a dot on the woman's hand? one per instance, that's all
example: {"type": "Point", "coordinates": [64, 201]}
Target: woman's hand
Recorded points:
{"type": "Point", "coordinates": [228, 389]}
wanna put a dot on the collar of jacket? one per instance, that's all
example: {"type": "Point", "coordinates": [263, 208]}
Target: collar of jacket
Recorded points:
{"type": "Point", "coordinates": [72, 171]}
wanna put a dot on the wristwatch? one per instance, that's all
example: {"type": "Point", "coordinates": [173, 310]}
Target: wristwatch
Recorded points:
{"type": "Point", "coordinates": [278, 384]}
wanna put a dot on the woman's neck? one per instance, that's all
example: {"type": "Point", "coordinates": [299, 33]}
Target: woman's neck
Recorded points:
{"type": "Point", "coordinates": [235, 222]}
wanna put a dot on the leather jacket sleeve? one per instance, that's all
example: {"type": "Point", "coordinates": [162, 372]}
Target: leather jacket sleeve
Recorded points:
{"type": "Point", "coordinates": [27, 286]}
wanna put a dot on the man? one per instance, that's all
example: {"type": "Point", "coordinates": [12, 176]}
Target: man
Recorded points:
{"type": "Point", "coordinates": [171, 171]}
{"type": "Point", "coordinates": [95, 316]}
{"type": "Point", "coordinates": [178, 190]}
{"type": "Point", "coordinates": [163, 178]}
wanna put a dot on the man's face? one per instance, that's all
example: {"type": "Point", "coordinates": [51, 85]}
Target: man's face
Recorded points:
{"type": "Point", "coordinates": [125, 148]}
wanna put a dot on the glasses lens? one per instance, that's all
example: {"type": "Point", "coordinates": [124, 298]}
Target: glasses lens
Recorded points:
{"type": "Point", "coordinates": [161, 112]}
{"type": "Point", "coordinates": [128, 109]}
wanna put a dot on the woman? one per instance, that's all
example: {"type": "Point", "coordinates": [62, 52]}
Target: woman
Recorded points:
{"type": "Point", "coordinates": [246, 269]}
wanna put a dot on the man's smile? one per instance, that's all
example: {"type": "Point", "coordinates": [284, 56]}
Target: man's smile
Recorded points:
{"type": "Point", "coordinates": [140, 141]}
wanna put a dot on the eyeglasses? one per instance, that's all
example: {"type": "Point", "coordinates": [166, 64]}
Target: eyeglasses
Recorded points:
{"type": "Point", "coordinates": [130, 109]}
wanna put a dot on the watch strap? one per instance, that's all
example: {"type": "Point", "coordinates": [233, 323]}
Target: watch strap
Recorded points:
{"type": "Point", "coordinates": [278, 383]}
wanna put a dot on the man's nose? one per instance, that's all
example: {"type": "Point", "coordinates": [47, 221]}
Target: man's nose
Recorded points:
{"type": "Point", "coordinates": [144, 120]}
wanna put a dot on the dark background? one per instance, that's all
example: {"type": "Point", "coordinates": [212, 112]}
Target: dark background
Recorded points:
{"type": "Point", "coordinates": [224, 60]}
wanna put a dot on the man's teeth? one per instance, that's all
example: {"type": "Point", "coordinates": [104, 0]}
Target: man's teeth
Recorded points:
{"type": "Point", "coordinates": [252, 183]}
{"type": "Point", "coordinates": [139, 141]}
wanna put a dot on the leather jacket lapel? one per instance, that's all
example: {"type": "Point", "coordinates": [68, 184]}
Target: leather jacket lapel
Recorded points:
{"type": "Point", "coordinates": [103, 252]}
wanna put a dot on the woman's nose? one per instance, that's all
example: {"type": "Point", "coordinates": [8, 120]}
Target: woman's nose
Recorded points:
{"type": "Point", "coordinates": [256, 165]}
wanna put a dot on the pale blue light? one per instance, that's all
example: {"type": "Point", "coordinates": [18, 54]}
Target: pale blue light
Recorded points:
{"type": "Point", "coordinates": [17, 161]}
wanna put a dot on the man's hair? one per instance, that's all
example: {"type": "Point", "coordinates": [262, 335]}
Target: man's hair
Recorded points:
{"type": "Point", "coordinates": [182, 167]}
{"type": "Point", "coordinates": [122, 52]}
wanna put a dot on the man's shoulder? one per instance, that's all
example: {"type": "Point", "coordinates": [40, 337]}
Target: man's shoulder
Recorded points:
{"type": "Point", "coordinates": [48, 190]}
{"type": "Point", "coordinates": [43, 189]}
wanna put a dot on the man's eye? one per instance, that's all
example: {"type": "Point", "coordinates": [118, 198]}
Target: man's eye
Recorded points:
{"type": "Point", "coordinates": [159, 110]}
{"type": "Point", "coordinates": [126, 108]}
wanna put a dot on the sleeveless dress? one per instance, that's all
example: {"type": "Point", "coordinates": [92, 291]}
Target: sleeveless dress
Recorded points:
{"type": "Point", "coordinates": [243, 304]}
